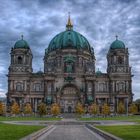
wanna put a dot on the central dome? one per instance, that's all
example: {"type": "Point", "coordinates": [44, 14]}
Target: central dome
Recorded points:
{"type": "Point", "coordinates": [68, 39]}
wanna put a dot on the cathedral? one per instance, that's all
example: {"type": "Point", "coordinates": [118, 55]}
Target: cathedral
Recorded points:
{"type": "Point", "coordinates": [69, 74]}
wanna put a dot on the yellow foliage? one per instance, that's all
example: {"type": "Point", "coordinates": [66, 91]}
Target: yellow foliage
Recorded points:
{"type": "Point", "coordinates": [121, 108]}
{"type": "Point", "coordinates": [55, 109]}
{"type": "Point", "coordinates": [105, 109]}
{"type": "Point", "coordinates": [27, 109]}
{"type": "Point", "coordinates": [42, 109]}
{"type": "Point", "coordinates": [80, 109]}
{"type": "Point", "coordinates": [133, 109]}
{"type": "Point", "coordinates": [94, 109]}
{"type": "Point", "coordinates": [2, 108]}
{"type": "Point", "coordinates": [15, 109]}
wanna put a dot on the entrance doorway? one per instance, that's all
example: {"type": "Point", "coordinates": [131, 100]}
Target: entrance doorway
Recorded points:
{"type": "Point", "coordinates": [69, 109]}
{"type": "Point", "coordinates": [69, 98]}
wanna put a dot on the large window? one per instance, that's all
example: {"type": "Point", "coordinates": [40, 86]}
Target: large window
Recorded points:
{"type": "Point", "coordinates": [102, 87]}
{"type": "Point", "coordinates": [19, 86]}
{"type": "Point", "coordinates": [37, 87]}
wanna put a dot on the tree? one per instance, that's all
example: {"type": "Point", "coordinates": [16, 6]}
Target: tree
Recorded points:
{"type": "Point", "coordinates": [94, 109]}
{"type": "Point", "coordinates": [121, 109]}
{"type": "Point", "coordinates": [2, 108]}
{"type": "Point", "coordinates": [133, 108]}
{"type": "Point", "coordinates": [79, 109]}
{"type": "Point", "coordinates": [105, 109]}
{"type": "Point", "coordinates": [15, 109]}
{"type": "Point", "coordinates": [42, 109]}
{"type": "Point", "coordinates": [55, 109]}
{"type": "Point", "coordinates": [27, 109]}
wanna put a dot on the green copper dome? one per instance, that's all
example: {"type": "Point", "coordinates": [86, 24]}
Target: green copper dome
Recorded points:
{"type": "Point", "coordinates": [21, 44]}
{"type": "Point", "coordinates": [98, 72]}
{"type": "Point", "coordinates": [117, 44]}
{"type": "Point", "coordinates": [68, 39]}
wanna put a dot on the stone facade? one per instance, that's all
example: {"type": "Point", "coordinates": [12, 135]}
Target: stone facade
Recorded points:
{"type": "Point", "coordinates": [69, 77]}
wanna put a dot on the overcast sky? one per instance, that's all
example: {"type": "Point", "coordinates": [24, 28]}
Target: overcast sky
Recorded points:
{"type": "Point", "coordinates": [98, 20]}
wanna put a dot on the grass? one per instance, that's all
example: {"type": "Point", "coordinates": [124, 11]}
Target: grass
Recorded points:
{"type": "Point", "coordinates": [15, 132]}
{"type": "Point", "coordinates": [128, 132]}
{"type": "Point", "coordinates": [28, 118]}
{"type": "Point", "coordinates": [124, 118]}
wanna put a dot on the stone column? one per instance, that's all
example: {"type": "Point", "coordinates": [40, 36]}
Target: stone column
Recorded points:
{"type": "Point", "coordinates": [35, 105]}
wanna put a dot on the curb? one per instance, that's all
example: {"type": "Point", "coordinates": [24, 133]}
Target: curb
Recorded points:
{"type": "Point", "coordinates": [36, 135]}
{"type": "Point", "coordinates": [105, 135]}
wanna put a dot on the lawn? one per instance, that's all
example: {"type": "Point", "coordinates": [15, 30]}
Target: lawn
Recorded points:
{"type": "Point", "coordinates": [15, 132]}
{"type": "Point", "coordinates": [129, 132]}
{"type": "Point", "coordinates": [124, 118]}
{"type": "Point", "coordinates": [28, 118]}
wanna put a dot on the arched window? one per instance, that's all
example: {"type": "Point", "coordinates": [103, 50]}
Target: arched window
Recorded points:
{"type": "Point", "coordinates": [19, 86]}
{"type": "Point", "coordinates": [20, 60]}
{"type": "Point", "coordinates": [37, 87]}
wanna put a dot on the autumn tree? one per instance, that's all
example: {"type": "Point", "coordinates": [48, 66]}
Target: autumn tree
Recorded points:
{"type": "Point", "coordinates": [133, 109]}
{"type": "Point", "coordinates": [105, 109]}
{"type": "Point", "coordinates": [79, 109]}
{"type": "Point", "coordinates": [27, 109]}
{"type": "Point", "coordinates": [55, 109]}
{"type": "Point", "coordinates": [15, 109]}
{"type": "Point", "coordinates": [121, 108]}
{"type": "Point", "coordinates": [42, 109]}
{"type": "Point", "coordinates": [94, 109]}
{"type": "Point", "coordinates": [2, 108]}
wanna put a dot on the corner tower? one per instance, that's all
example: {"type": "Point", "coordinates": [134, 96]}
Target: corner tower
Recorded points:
{"type": "Point", "coordinates": [119, 73]}
{"type": "Point", "coordinates": [20, 70]}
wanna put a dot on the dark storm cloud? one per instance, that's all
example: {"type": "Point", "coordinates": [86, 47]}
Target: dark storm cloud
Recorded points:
{"type": "Point", "coordinates": [98, 20]}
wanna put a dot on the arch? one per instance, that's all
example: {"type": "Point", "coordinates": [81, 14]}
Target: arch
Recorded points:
{"type": "Point", "coordinates": [69, 97]}
{"type": "Point", "coordinates": [19, 60]}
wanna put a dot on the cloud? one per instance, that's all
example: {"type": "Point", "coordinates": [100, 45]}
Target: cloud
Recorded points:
{"type": "Point", "coordinates": [98, 21]}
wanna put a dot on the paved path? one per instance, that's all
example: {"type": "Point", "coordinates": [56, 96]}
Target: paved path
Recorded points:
{"type": "Point", "coordinates": [70, 132]}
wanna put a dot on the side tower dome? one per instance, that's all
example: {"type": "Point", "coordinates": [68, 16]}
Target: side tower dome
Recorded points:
{"type": "Point", "coordinates": [21, 44]}
{"type": "Point", "coordinates": [21, 58]}
{"type": "Point", "coordinates": [117, 44]}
